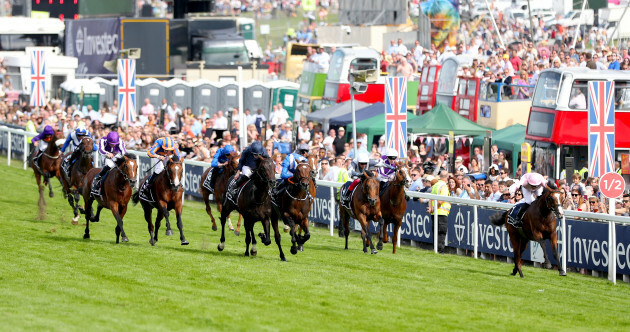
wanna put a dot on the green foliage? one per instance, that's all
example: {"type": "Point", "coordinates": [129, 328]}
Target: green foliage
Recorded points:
{"type": "Point", "coordinates": [52, 279]}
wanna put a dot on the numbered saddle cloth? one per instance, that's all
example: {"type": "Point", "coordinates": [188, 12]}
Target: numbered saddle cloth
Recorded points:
{"type": "Point", "coordinates": [207, 182]}
{"type": "Point", "coordinates": [97, 185]}
{"type": "Point", "coordinates": [66, 164]}
{"type": "Point", "coordinates": [346, 192]}
{"type": "Point", "coordinates": [146, 194]}
{"type": "Point", "coordinates": [515, 214]}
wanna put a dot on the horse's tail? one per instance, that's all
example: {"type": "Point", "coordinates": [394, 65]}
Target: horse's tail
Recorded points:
{"type": "Point", "coordinates": [136, 197]}
{"type": "Point", "coordinates": [498, 218]}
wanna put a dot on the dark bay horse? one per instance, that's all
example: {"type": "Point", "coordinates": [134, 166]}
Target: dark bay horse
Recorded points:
{"type": "Point", "coordinates": [365, 205]}
{"type": "Point", "coordinates": [394, 204]}
{"type": "Point", "coordinates": [539, 224]}
{"type": "Point", "coordinates": [295, 205]}
{"type": "Point", "coordinates": [73, 182]}
{"type": "Point", "coordinates": [220, 187]}
{"type": "Point", "coordinates": [167, 191]}
{"type": "Point", "coordinates": [253, 202]}
{"type": "Point", "coordinates": [49, 163]}
{"type": "Point", "coordinates": [116, 190]}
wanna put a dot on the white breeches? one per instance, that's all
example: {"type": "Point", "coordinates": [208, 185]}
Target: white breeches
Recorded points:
{"type": "Point", "coordinates": [247, 171]}
{"type": "Point", "coordinates": [42, 145]}
{"type": "Point", "coordinates": [158, 165]}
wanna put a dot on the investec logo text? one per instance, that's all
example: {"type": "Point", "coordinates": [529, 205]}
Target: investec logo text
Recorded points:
{"type": "Point", "coordinates": [95, 44]}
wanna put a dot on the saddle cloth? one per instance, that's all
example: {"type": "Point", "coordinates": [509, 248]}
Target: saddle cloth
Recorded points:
{"type": "Point", "coordinates": [66, 165]}
{"type": "Point", "coordinates": [146, 194]}
{"type": "Point", "coordinates": [97, 188]}
{"type": "Point", "coordinates": [346, 192]}
{"type": "Point", "coordinates": [515, 214]}
{"type": "Point", "coordinates": [235, 198]}
{"type": "Point", "coordinates": [206, 182]}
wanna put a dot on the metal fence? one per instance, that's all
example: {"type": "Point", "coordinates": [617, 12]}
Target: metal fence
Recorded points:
{"type": "Point", "coordinates": [583, 237]}
{"type": "Point", "coordinates": [505, 92]}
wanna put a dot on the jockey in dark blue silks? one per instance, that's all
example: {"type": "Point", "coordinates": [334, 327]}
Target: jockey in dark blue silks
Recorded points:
{"type": "Point", "coordinates": [246, 165]}
{"type": "Point", "coordinates": [218, 162]}
{"type": "Point", "coordinates": [112, 148]}
{"type": "Point", "coordinates": [288, 167]}
{"type": "Point", "coordinates": [72, 142]}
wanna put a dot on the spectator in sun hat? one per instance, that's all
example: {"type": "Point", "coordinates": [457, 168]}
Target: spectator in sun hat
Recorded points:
{"type": "Point", "coordinates": [459, 166]}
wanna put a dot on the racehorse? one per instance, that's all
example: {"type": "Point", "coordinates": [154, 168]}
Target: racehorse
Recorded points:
{"type": "Point", "coordinates": [394, 204]}
{"type": "Point", "coordinates": [365, 205]}
{"type": "Point", "coordinates": [49, 163]}
{"type": "Point", "coordinates": [295, 205]}
{"type": "Point", "coordinates": [220, 187]}
{"type": "Point", "coordinates": [539, 224]}
{"type": "Point", "coordinates": [116, 191]}
{"type": "Point", "coordinates": [167, 192]}
{"type": "Point", "coordinates": [253, 202]}
{"type": "Point", "coordinates": [73, 181]}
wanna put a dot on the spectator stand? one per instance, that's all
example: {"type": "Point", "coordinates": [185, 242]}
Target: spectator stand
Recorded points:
{"type": "Point", "coordinates": [427, 88]}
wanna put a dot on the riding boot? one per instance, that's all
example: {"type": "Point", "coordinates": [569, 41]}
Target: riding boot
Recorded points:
{"type": "Point", "coordinates": [277, 191]}
{"type": "Point", "coordinates": [239, 182]}
{"type": "Point", "coordinates": [99, 176]}
{"type": "Point", "coordinates": [213, 176]}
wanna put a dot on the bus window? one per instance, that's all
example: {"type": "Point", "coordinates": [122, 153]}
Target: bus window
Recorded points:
{"type": "Point", "coordinates": [622, 96]}
{"type": "Point", "coordinates": [543, 158]}
{"type": "Point", "coordinates": [578, 95]}
{"type": "Point", "coordinates": [540, 124]}
{"type": "Point", "coordinates": [546, 90]}
{"type": "Point", "coordinates": [425, 74]}
{"type": "Point", "coordinates": [336, 66]}
{"type": "Point", "coordinates": [432, 71]}
{"type": "Point", "coordinates": [364, 64]}
{"type": "Point", "coordinates": [472, 87]}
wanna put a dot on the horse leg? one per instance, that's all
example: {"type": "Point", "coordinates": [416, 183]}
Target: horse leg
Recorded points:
{"type": "Point", "coordinates": [97, 217]}
{"type": "Point", "coordinates": [523, 246]}
{"type": "Point", "coordinates": [276, 235]}
{"type": "Point", "coordinates": [265, 237]}
{"type": "Point", "coordinates": [225, 211]}
{"type": "Point", "coordinates": [77, 198]}
{"type": "Point", "coordinates": [51, 194]}
{"type": "Point", "coordinates": [88, 216]}
{"type": "Point", "coordinates": [119, 222]}
{"type": "Point", "coordinates": [158, 223]}
{"type": "Point", "coordinates": [169, 231]}
{"type": "Point", "coordinates": [553, 239]}
{"type": "Point", "coordinates": [147, 216]}
{"type": "Point", "coordinates": [395, 236]}
{"type": "Point", "coordinates": [253, 251]}
{"type": "Point", "coordinates": [369, 237]}
{"type": "Point", "coordinates": [180, 225]}
{"type": "Point", "coordinates": [381, 234]}
{"type": "Point", "coordinates": [547, 263]}
{"type": "Point", "coordinates": [516, 246]}
{"type": "Point", "coordinates": [237, 232]}
{"type": "Point", "coordinates": [209, 212]}
{"type": "Point", "coordinates": [248, 237]}
{"type": "Point", "coordinates": [307, 234]}
{"type": "Point", "coordinates": [364, 231]}
{"type": "Point", "coordinates": [41, 202]}
{"type": "Point", "coordinates": [74, 203]}
{"type": "Point", "coordinates": [344, 225]}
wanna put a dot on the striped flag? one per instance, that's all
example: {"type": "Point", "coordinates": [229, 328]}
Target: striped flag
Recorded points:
{"type": "Point", "coordinates": [127, 90]}
{"type": "Point", "coordinates": [38, 78]}
{"type": "Point", "coordinates": [396, 114]}
{"type": "Point", "coordinates": [601, 128]}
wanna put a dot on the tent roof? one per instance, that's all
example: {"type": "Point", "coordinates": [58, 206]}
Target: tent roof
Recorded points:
{"type": "Point", "coordinates": [509, 138]}
{"type": "Point", "coordinates": [361, 114]}
{"type": "Point", "coordinates": [440, 120]}
{"type": "Point", "coordinates": [334, 110]}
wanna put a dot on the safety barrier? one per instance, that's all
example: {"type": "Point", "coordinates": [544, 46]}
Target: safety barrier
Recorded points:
{"type": "Point", "coordinates": [583, 237]}
{"type": "Point", "coordinates": [499, 92]}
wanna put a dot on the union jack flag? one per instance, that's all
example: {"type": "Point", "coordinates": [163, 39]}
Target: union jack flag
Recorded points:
{"type": "Point", "coordinates": [601, 128]}
{"type": "Point", "coordinates": [396, 114]}
{"type": "Point", "coordinates": [127, 90]}
{"type": "Point", "coordinates": [38, 78]}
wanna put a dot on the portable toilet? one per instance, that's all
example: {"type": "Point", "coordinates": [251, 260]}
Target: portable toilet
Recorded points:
{"type": "Point", "coordinates": [109, 89]}
{"type": "Point", "coordinates": [152, 89]}
{"type": "Point", "coordinates": [180, 92]}
{"type": "Point", "coordinates": [71, 91]}
{"type": "Point", "coordinates": [256, 95]}
{"type": "Point", "coordinates": [285, 93]}
{"type": "Point", "coordinates": [228, 96]}
{"type": "Point", "coordinates": [204, 95]}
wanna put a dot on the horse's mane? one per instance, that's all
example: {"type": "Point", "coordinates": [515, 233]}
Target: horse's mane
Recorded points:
{"type": "Point", "coordinates": [127, 155]}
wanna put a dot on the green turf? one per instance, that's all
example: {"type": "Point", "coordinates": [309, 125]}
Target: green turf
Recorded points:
{"type": "Point", "coordinates": [52, 279]}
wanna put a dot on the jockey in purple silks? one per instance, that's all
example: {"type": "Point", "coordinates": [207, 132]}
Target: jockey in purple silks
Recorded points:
{"type": "Point", "coordinates": [387, 167]}
{"type": "Point", "coordinates": [44, 138]}
{"type": "Point", "coordinates": [112, 148]}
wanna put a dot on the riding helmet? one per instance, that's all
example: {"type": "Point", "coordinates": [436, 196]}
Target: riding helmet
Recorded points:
{"type": "Point", "coordinates": [392, 153]}
{"type": "Point", "coordinates": [112, 138]}
{"type": "Point", "coordinates": [168, 144]}
{"type": "Point", "coordinates": [303, 147]}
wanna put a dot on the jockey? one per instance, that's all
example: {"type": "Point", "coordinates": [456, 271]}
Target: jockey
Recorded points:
{"type": "Point", "coordinates": [74, 140]}
{"type": "Point", "coordinates": [533, 185]}
{"type": "Point", "coordinates": [45, 137]}
{"type": "Point", "coordinates": [113, 149]}
{"type": "Point", "coordinates": [361, 165]}
{"type": "Point", "coordinates": [219, 161]}
{"type": "Point", "coordinates": [288, 167]}
{"type": "Point", "coordinates": [247, 165]}
{"type": "Point", "coordinates": [387, 169]}
{"type": "Point", "coordinates": [163, 148]}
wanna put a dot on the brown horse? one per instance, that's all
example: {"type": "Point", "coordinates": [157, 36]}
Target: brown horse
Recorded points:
{"type": "Point", "coordinates": [365, 205]}
{"type": "Point", "coordinates": [295, 205]}
{"type": "Point", "coordinates": [539, 224]}
{"type": "Point", "coordinates": [116, 189]}
{"type": "Point", "coordinates": [220, 187]}
{"type": "Point", "coordinates": [254, 203]}
{"type": "Point", "coordinates": [167, 191]}
{"type": "Point", "coordinates": [394, 204]}
{"type": "Point", "coordinates": [73, 182]}
{"type": "Point", "coordinates": [49, 163]}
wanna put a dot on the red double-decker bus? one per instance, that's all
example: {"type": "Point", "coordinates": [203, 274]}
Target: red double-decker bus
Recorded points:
{"type": "Point", "coordinates": [558, 121]}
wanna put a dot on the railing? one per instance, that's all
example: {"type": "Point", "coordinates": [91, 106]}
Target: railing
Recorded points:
{"type": "Point", "coordinates": [583, 236]}
{"type": "Point", "coordinates": [499, 92]}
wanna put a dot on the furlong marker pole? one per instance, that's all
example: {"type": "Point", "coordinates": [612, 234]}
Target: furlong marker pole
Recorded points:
{"type": "Point", "coordinates": [25, 157]}
{"type": "Point", "coordinates": [564, 243]}
{"type": "Point", "coordinates": [9, 149]}
{"type": "Point", "coordinates": [331, 215]}
{"type": "Point", "coordinates": [475, 230]}
{"type": "Point", "coordinates": [612, 244]}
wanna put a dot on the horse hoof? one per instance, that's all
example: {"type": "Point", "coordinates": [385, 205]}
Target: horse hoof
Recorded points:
{"type": "Point", "coordinates": [184, 243]}
{"type": "Point", "coordinates": [152, 242]}
{"type": "Point", "coordinates": [169, 232]}
{"type": "Point", "coordinates": [254, 252]}
{"type": "Point", "coordinates": [301, 248]}
{"type": "Point", "coordinates": [237, 233]}
{"type": "Point", "coordinates": [214, 228]}
{"type": "Point", "coordinates": [51, 195]}
{"type": "Point", "coordinates": [125, 239]}
{"type": "Point", "coordinates": [379, 246]}
{"type": "Point", "coordinates": [75, 221]}
{"type": "Point", "coordinates": [221, 246]}
{"type": "Point", "coordinates": [283, 259]}
{"type": "Point", "coordinates": [86, 236]}
{"type": "Point", "coordinates": [374, 251]}
{"type": "Point", "coordinates": [286, 228]}
{"type": "Point", "coordinates": [294, 250]}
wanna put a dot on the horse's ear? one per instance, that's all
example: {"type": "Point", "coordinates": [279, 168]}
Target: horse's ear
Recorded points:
{"type": "Point", "coordinates": [551, 184]}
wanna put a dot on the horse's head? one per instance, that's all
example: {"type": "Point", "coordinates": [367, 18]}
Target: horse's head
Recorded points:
{"type": "Point", "coordinates": [175, 172]}
{"type": "Point", "coordinates": [402, 174]}
{"type": "Point", "coordinates": [302, 175]}
{"type": "Point", "coordinates": [128, 166]}
{"type": "Point", "coordinates": [86, 145]}
{"type": "Point", "coordinates": [554, 200]}
{"type": "Point", "coordinates": [312, 161]}
{"type": "Point", "coordinates": [266, 170]}
{"type": "Point", "coordinates": [232, 161]}
{"type": "Point", "coordinates": [370, 188]}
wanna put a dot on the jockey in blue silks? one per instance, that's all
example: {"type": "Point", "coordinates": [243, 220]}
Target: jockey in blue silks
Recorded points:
{"type": "Point", "coordinates": [113, 148]}
{"type": "Point", "coordinates": [218, 162]}
{"type": "Point", "coordinates": [288, 167]}
{"type": "Point", "coordinates": [72, 142]}
{"type": "Point", "coordinates": [247, 165]}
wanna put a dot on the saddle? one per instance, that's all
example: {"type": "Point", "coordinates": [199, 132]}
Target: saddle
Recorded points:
{"type": "Point", "coordinates": [233, 199]}
{"type": "Point", "coordinates": [207, 183]}
{"type": "Point", "coordinates": [97, 188]}
{"type": "Point", "coordinates": [346, 192]}
{"type": "Point", "coordinates": [515, 215]}
{"type": "Point", "coordinates": [145, 193]}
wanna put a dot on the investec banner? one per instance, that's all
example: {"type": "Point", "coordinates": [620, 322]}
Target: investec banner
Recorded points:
{"type": "Point", "coordinates": [17, 144]}
{"type": "Point", "coordinates": [93, 41]}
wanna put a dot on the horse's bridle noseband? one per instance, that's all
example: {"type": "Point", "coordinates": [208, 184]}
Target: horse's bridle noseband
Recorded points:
{"type": "Point", "coordinates": [168, 175]}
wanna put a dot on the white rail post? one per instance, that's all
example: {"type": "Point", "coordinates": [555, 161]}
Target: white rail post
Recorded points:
{"type": "Point", "coordinates": [399, 235]}
{"type": "Point", "coordinates": [332, 211]}
{"type": "Point", "coordinates": [475, 230]}
{"type": "Point", "coordinates": [9, 148]}
{"type": "Point", "coordinates": [564, 244]}
{"type": "Point", "coordinates": [612, 255]}
{"type": "Point", "coordinates": [435, 226]}
{"type": "Point", "coordinates": [138, 172]}
{"type": "Point", "coordinates": [25, 157]}
{"type": "Point", "coordinates": [184, 181]}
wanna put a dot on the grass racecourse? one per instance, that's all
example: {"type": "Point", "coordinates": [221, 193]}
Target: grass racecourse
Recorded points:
{"type": "Point", "coordinates": [52, 279]}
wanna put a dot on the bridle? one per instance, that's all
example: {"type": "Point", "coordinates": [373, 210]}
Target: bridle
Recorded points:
{"type": "Point", "coordinates": [261, 169]}
{"type": "Point", "coordinates": [123, 169]}
{"type": "Point", "coordinates": [168, 174]}
{"type": "Point", "coordinates": [301, 182]}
